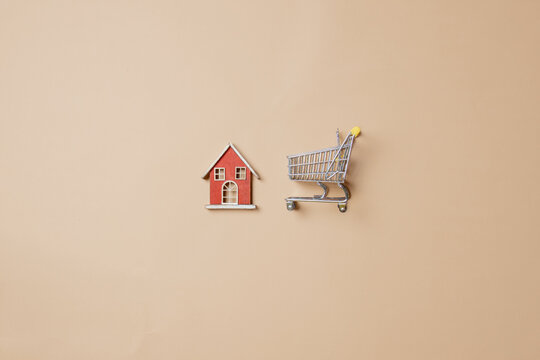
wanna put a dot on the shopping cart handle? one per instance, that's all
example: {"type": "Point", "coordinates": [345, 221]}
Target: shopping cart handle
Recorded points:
{"type": "Point", "coordinates": [355, 131]}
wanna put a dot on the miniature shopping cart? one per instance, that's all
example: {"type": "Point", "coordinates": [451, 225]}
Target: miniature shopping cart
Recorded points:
{"type": "Point", "coordinates": [323, 166]}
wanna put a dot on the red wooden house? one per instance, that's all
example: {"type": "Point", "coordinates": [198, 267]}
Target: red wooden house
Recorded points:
{"type": "Point", "coordinates": [230, 181]}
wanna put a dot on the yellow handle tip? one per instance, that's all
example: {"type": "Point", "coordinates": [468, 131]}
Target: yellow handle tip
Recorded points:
{"type": "Point", "coordinates": [356, 131]}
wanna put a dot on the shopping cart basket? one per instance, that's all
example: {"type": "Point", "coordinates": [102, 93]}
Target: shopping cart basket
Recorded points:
{"type": "Point", "coordinates": [323, 166]}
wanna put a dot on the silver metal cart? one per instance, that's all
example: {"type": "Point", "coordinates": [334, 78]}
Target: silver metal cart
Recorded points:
{"type": "Point", "coordinates": [323, 166]}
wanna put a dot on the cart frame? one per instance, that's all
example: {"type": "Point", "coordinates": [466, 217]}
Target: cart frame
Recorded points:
{"type": "Point", "coordinates": [323, 166]}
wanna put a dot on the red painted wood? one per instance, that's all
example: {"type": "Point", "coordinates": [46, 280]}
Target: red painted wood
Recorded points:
{"type": "Point", "coordinates": [230, 160]}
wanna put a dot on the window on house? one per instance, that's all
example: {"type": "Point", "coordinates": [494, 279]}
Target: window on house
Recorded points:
{"type": "Point", "coordinates": [219, 173]}
{"type": "Point", "coordinates": [240, 173]}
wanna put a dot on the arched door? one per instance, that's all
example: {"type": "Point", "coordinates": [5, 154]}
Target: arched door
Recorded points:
{"type": "Point", "coordinates": [229, 193]}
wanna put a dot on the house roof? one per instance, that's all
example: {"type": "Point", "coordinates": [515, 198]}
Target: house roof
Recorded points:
{"type": "Point", "coordinates": [237, 153]}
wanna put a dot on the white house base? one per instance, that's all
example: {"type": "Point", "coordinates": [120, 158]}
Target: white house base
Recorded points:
{"type": "Point", "coordinates": [236, 207]}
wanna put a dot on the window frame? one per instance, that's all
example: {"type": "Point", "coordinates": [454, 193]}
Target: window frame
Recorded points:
{"type": "Point", "coordinates": [216, 172]}
{"type": "Point", "coordinates": [244, 173]}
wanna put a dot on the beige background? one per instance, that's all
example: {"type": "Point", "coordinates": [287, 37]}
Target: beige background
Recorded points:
{"type": "Point", "coordinates": [110, 111]}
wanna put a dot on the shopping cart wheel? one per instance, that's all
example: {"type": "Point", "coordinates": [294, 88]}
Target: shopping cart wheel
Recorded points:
{"type": "Point", "coordinates": [291, 205]}
{"type": "Point", "coordinates": [342, 207]}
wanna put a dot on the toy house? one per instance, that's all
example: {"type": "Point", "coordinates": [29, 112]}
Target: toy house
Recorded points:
{"type": "Point", "coordinates": [230, 181]}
